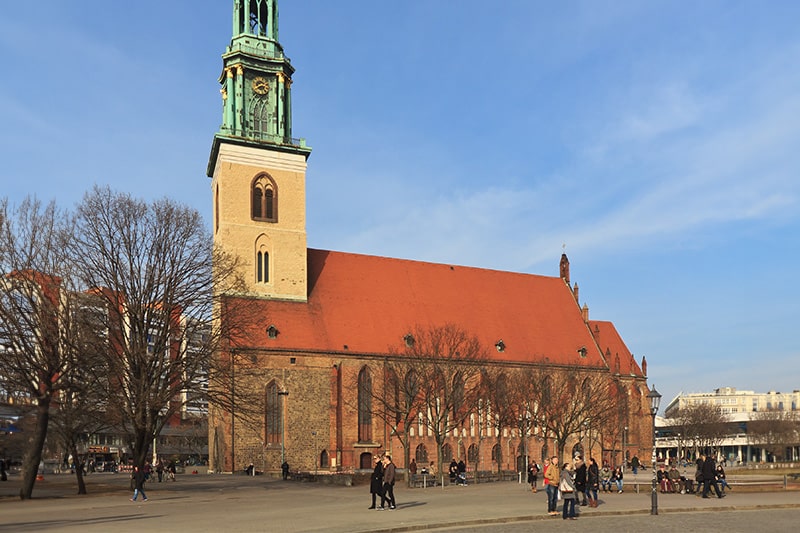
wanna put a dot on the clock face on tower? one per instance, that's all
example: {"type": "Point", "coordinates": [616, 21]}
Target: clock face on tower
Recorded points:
{"type": "Point", "coordinates": [260, 86]}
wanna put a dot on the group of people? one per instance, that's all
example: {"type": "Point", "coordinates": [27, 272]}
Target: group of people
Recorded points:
{"type": "Point", "coordinates": [576, 481]}
{"type": "Point", "coordinates": [458, 472]}
{"type": "Point", "coordinates": [707, 476]}
{"type": "Point", "coordinates": [382, 482]}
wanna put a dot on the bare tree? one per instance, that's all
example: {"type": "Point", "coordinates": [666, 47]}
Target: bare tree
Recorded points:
{"type": "Point", "coordinates": [569, 401]}
{"type": "Point", "coordinates": [81, 407]}
{"type": "Point", "coordinates": [34, 292]}
{"type": "Point", "coordinates": [447, 362]}
{"type": "Point", "coordinates": [157, 270]}
{"type": "Point", "coordinates": [398, 402]}
{"type": "Point", "coordinates": [702, 425]}
{"type": "Point", "coordinates": [775, 430]}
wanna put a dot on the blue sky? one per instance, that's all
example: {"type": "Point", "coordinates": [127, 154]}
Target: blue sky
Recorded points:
{"type": "Point", "coordinates": [660, 141]}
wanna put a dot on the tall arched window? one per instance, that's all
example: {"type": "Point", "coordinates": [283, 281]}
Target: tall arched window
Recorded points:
{"type": "Point", "coordinates": [421, 455]}
{"type": "Point", "coordinates": [472, 454]}
{"type": "Point", "coordinates": [264, 199]}
{"type": "Point", "coordinates": [262, 266]}
{"type": "Point", "coordinates": [497, 454]}
{"type": "Point", "coordinates": [216, 209]}
{"type": "Point", "coordinates": [273, 414]}
{"type": "Point", "coordinates": [447, 453]}
{"type": "Point", "coordinates": [261, 116]}
{"type": "Point", "coordinates": [364, 406]}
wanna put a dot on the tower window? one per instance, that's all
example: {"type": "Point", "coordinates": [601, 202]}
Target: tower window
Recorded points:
{"type": "Point", "coordinates": [262, 267]}
{"type": "Point", "coordinates": [262, 116]}
{"type": "Point", "coordinates": [264, 200]}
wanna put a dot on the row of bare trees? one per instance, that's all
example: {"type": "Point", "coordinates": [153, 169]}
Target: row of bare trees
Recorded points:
{"type": "Point", "coordinates": [442, 378]}
{"type": "Point", "coordinates": [703, 427]}
{"type": "Point", "coordinates": [107, 316]}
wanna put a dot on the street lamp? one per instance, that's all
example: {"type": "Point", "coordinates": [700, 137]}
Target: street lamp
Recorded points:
{"type": "Point", "coordinates": [283, 393]}
{"type": "Point", "coordinates": [655, 401]}
{"type": "Point", "coordinates": [624, 459]}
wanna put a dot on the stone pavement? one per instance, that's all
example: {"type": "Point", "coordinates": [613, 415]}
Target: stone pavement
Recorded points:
{"type": "Point", "coordinates": [239, 503]}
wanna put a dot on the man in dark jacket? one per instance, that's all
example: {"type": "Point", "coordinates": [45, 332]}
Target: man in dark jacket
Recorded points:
{"type": "Point", "coordinates": [388, 483]}
{"type": "Point", "coordinates": [709, 470]}
{"type": "Point", "coordinates": [580, 479]}
{"type": "Point", "coordinates": [138, 483]}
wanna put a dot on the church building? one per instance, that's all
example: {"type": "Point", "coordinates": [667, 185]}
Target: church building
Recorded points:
{"type": "Point", "coordinates": [320, 325]}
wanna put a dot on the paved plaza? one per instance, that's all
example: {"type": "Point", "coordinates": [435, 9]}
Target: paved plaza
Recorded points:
{"type": "Point", "coordinates": [216, 503]}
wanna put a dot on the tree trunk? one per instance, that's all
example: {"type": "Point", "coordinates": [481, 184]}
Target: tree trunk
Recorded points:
{"type": "Point", "coordinates": [30, 463]}
{"type": "Point", "coordinates": [79, 462]}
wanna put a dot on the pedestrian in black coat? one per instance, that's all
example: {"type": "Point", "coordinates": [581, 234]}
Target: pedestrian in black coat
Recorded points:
{"type": "Point", "coordinates": [580, 480]}
{"type": "Point", "coordinates": [376, 482]}
{"type": "Point", "coordinates": [709, 470]}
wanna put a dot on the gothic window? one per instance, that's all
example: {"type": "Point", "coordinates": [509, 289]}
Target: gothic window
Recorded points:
{"type": "Point", "coordinates": [264, 199]}
{"type": "Point", "coordinates": [364, 406]}
{"type": "Point", "coordinates": [497, 454]}
{"type": "Point", "coordinates": [458, 395]}
{"type": "Point", "coordinates": [421, 455]}
{"type": "Point", "coordinates": [262, 266]}
{"type": "Point", "coordinates": [472, 453]}
{"type": "Point", "coordinates": [273, 414]}
{"type": "Point", "coordinates": [261, 116]}
{"type": "Point", "coordinates": [447, 453]}
{"type": "Point", "coordinates": [260, 21]}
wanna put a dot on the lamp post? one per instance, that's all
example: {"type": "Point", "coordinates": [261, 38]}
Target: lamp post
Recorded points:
{"type": "Point", "coordinates": [283, 394]}
{"type": "Point", "coordinates": [585, 437]}
{"type": "Point", "coordinates": [655, 401]}
{"type": "Point", "coordinates": [624, 462]}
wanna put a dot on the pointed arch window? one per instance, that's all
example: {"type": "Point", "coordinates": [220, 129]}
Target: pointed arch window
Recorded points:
{"type": "Point", "coordinates": [273, 415]}
{"type": "Point", "coordinates": [264, 199]}
{"type": "Point", "coordinates": [364, 406]}
{"type": "Point", "coordinates": [261, 116]}
{"type": "Point", "coordinates": [262, 266]}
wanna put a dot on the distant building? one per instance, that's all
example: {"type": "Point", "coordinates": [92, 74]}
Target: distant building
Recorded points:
{"type": "Point", "coordinates": [742, 409]}
{"type": "Point", "coordinates": [732, 401]}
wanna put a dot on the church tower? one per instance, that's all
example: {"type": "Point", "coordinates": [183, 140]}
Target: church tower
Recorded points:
{"type": "Point", "coordinates": [257, 168]}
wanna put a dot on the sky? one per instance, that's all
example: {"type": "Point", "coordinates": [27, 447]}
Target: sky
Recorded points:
{"type": "Point", "coordinates": [657, 143]}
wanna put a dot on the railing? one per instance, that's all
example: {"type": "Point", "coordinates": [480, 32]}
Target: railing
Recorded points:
{"type": "Point", "coordinates": [269, 49]}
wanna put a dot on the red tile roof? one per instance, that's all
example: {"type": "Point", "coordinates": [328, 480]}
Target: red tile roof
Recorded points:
{"type": "Point", "coordinates": [364, 304]}
{"type": "Point", "coordinates": [614, 348]}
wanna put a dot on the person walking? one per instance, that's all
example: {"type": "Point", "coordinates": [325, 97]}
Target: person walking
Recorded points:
{"type": "Point", "coordinates": [580, 481]}
{"type": "Point", "coordinates": [388, 483]}
{"type": "Point", "coordinates": [376, 481]}
{"type": "Point", "coordinates": [567, 487]}
{"type": "Point", "coordinates": [710, 477]}
{"type": "Point", "coordinates": [138, 483]}
{"type": "Point", "coordinates": [551, 480]}
{"type": "Point", "coordinates": [592, 482]}
{"type": "Point", "coordinates": [635, 464]}
{"type": "Point", "coordinates": [285, 470]}
{"type": "Point", "coordinates": [533, 475]}
{"type": "Point", "coordinates": [160, 470]}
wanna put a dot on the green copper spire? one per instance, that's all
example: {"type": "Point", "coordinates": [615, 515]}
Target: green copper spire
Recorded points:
{"type": "Point", "coordinates": [256, 83]}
